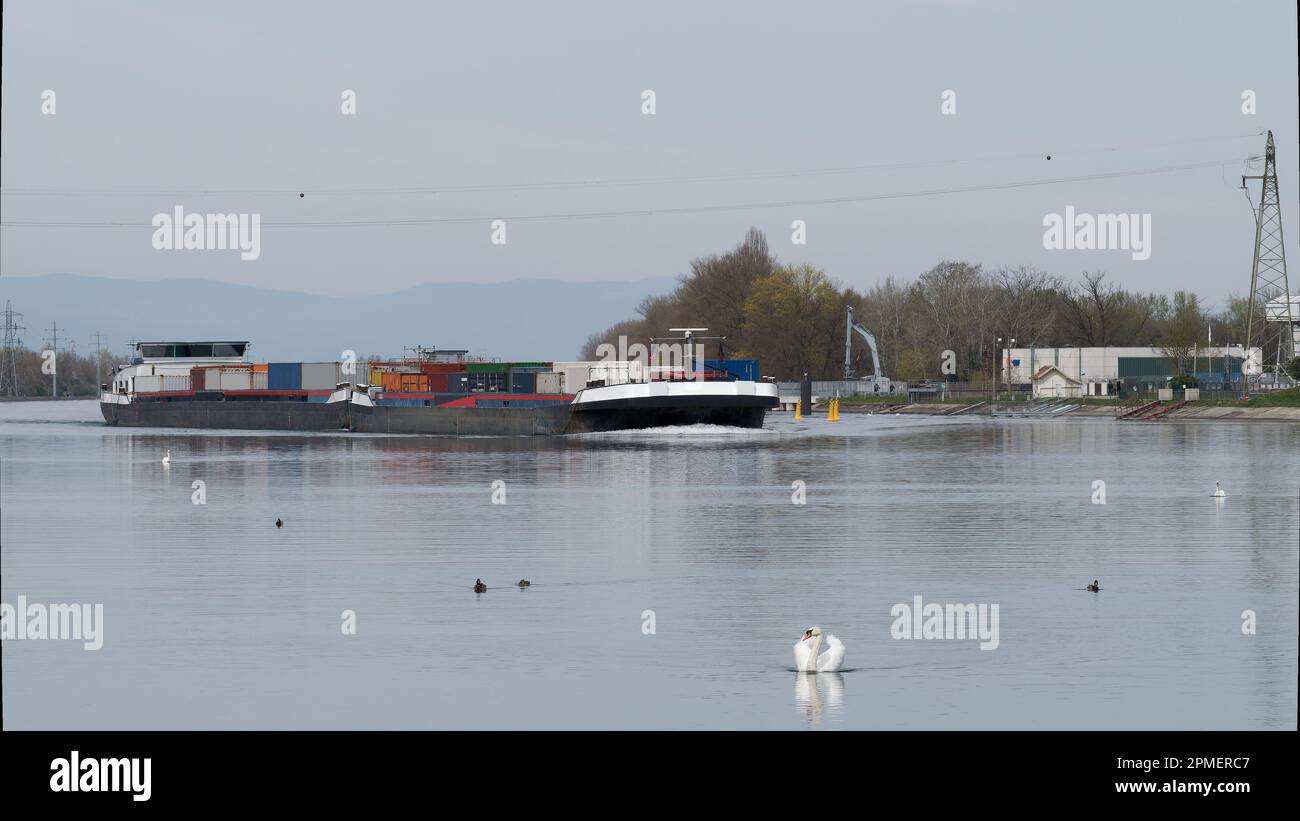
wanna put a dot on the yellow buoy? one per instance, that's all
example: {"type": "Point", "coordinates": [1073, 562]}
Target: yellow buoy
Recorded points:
{"type": "Point", "coordinates": [797, 417]}
{"type": "Point", "coordinates": [833, 411]}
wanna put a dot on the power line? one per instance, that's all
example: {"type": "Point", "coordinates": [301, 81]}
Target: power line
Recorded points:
{"type": "Point", "coordinates": [739, 176]}
{"type": "Point", "coordinates": [652, 212]}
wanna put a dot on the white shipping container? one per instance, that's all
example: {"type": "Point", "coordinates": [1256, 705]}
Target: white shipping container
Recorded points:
{"type": "Point", "coordinates": [319, 376]}
{"type": "Point", "coordinates": [240, 380]}
{"type": "Point", "coordinates": [360, 373]}
{"type": "Point", "coordinates": [180, 382]}
{"type": "Point", "coordinates": [148, 384]}
{"type": "Point", "coordinates": [549, 383]}
{"type": "Point", "coordinates": [259, 380]}
{"type": "Point", "coordinates": [212, 379]}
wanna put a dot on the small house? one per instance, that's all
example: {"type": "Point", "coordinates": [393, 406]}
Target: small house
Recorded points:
{"type": "Point", "coordinates": [1050, 382]}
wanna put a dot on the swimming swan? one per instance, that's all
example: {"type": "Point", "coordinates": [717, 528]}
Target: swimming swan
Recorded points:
{"type": "Point", "coordinates": [806, 657]}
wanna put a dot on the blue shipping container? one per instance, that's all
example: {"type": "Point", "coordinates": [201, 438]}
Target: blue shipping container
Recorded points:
{"type": "Point", "coordinates": [284, 376]}
{"type": "Point", "coordinates": [745, 369]}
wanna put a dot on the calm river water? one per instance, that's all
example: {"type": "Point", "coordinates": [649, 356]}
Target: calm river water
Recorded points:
{"type": "Point", "coordinates": [214, 618]}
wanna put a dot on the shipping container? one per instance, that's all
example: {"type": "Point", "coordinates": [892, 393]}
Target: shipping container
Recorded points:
{"type": "Point", "coordinates": [236, 379]}
{"type": "Point", "coordinates": [176, 382]}
{"type": "Point", "coordinates": [457, 383]}
{"type": "Point", "coordinates": [148, 384]}
{"type": "Point", "coordinates": [197, 379]}
{"type": "Point", "coordinates": [746, 369]}
{"type": "Point", "coordinates": [485, 382]}
{"type": "Point", "coordinates": [414, 383]}
{"type": "Point", "coordinates": [259, 367]}
{"type": "Point", "coordinates": [523, 382]}
{"type": "Point", "coordinates": [442, 367]}
{"type": "Point", "coordinates": [259, 380]}
{"type": "Point", "coordinates": [549, 383]}
{"type": "Point", "coordinates": [318, 376]}
{"type": "Point", "coordinates": [487, 367]}
{"type": "Point", "coordinates": [438, 382]}
{"type": "Point", "coordinates": [284, 376]}
{"type": "Point", "coordinates": [211, 379]}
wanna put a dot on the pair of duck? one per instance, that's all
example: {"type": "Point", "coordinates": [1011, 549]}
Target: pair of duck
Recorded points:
{"type": "Point", "coordinates": [480, 587]}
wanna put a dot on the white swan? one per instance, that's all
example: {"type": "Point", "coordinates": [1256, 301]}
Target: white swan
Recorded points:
{"type": "Point", "coordinates": [167, 460]}
{"type": "Point", "coordinates": [1218, 491]}
{"type": "Point", "coordinates": [806, 657]}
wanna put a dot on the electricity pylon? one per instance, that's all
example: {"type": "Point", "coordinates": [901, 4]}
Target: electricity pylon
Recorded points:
{"type": "Point", "coordinates": [1270, 296]}
{"type": "Point", "coordinates": [9, 353]}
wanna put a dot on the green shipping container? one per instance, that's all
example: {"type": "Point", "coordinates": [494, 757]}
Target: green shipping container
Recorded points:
{"type": "Point", "coordinates": [487, 367]}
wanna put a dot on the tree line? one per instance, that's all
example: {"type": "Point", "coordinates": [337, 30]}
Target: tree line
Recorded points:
{"type": "Point", "coordinates": [76, 373]}
{"type": "Point", "coordinates": [792, 317]}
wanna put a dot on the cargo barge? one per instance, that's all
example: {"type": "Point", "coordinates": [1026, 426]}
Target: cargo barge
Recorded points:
{"type": "Point", "coordinates": [210, 385]}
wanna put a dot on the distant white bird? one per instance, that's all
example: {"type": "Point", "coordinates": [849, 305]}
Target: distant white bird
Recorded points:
{"type": "Point", "coordinates": [167, 460]}
{"type": "Point", "coordinates": [806, 657]}
{"type": "Point", "coordinates": [1218, 491]}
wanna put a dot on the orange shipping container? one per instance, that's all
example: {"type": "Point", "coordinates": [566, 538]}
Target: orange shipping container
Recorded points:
{"type": "Point", "coordinates": [259, 367]}
{"type": "Point", "coordinates": [414, 383]}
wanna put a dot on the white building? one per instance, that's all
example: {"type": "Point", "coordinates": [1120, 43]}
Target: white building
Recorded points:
{"type": "Point", "coordinates": [1052, 382]}
{"type": "Point", "coordinates": [1093, 365]}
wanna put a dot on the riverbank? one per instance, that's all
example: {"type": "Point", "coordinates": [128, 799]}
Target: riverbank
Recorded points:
{"type": "Point", "coordinates": [1190, 413]}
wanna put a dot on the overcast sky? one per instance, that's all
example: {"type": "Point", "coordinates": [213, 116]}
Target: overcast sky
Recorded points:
{"type": "Point", "coordinates": [175, 99]}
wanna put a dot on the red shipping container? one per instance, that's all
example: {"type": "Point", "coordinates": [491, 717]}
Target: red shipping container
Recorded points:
{"type": "Point", "coordinates": [438, 382]}
{"type": "Point", "coordinates": [442, 367]}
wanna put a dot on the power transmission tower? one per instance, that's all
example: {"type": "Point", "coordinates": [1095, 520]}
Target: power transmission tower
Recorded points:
{"type": "Point", "coordinates": [9, 355]}
{"type": "Point", "coordinates": [53, 342]}
{"type": "Point", "coordinates": [1270, 297]}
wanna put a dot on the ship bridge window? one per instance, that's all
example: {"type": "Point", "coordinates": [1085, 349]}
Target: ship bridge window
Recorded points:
{"type": "Point", "coordinates": [152, 351]}
{"type": "Point", "coordinates": [193, 350]}
{"type": "Point", "coordinates": [228, 349]}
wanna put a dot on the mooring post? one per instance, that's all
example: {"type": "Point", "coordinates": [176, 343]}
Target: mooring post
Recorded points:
{"type": "Point", "coordinates": [805, 395]}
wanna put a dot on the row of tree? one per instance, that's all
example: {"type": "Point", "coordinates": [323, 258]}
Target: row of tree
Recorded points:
{"type": "Point", "coordinates": [27, 372]}
{"type": "Point", "coordinates": [792, 318]}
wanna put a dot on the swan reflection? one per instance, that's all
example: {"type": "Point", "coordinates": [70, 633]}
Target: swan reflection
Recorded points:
{"type": "Point", "coordinates": [818, 694]}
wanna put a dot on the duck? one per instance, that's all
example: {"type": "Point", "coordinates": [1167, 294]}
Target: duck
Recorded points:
{"type": "Point", "coordinates": [1095, 586]}
{"type": "Point", "coordinates": [167, 459]}
{"type": "Point", "coordinates": [1218, 491]}
{"type": "Point", "coordinates": [279, 523]}
{"type": "Point", "coordinates": [524, 582]}
{"type": "Point", "coordinates": [479, 586]}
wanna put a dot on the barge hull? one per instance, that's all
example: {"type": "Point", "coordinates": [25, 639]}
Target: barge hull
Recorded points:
{"type": "Point", "coordinates": [658, 412]}
{"type": "Point", "coordinates": [295, 416]}
{"type": "Point", "coordinates": [546, 421]}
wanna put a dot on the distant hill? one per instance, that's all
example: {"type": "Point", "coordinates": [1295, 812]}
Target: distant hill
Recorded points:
{"type": "Point", "coordinates": [528, 319]}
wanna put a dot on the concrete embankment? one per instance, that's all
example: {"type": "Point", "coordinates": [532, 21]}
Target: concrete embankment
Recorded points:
{"type": "Point", "coordinates": [1189, 413]}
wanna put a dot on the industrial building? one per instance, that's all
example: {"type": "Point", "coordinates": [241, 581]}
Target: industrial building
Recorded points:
{"type": "Point", "coordinates": [1099, 371]}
